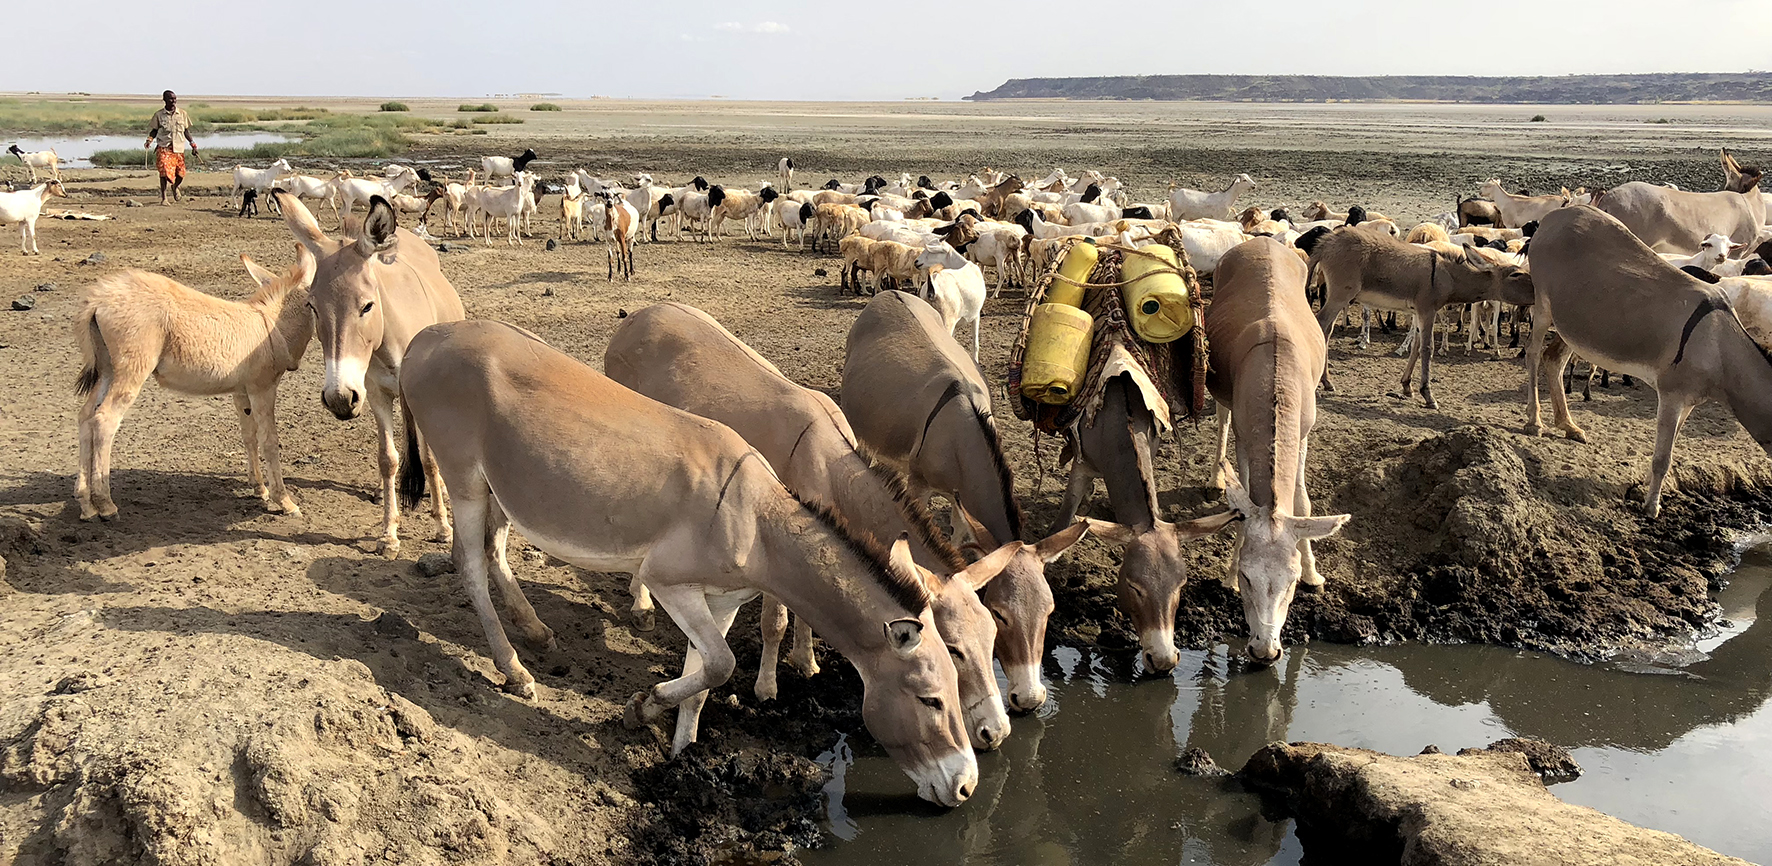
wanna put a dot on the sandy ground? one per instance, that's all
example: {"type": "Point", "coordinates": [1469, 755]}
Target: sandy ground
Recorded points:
{"type": "Point", "coordinates": [202, 681]}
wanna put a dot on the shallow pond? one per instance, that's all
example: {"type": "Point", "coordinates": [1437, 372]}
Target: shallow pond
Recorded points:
{"type": "Point", "coordinates": [1090, 779]}
{"type": "Point", "coordinates": [76, 152]}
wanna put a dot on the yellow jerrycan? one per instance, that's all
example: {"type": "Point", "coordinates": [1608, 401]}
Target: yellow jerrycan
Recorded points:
{"type": "Point", "coordinates": [1057, 353]}
{"type": "Point", "coordinates": [1158, 303]}
{"type": "Point", "coordinates": [1078, 262]}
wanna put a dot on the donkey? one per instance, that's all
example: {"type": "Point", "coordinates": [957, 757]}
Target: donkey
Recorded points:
{"type": "Point", "coordinates": [1267, 356]}
{"type": "Point", "coordinates": [680, 356]}
{"type": "Point", "coordinates": [1382, 272]}
{"type": "Point", "coordinates": [1618, 304]}
{"type": "Point", "coordinates": [608, 480]}
{"type": "Point", "coordinates": [371, 294]}
{"type": "Point", "coordinates": [919, 404]}
{"type": "Point", "coordinates": [1675, 221]}
{"type": "Point", "coordinates": [135, 324]}
{"type": "Point", "coordinates": [1117, 447]}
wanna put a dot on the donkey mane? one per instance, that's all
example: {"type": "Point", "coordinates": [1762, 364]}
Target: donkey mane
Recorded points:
{"type": "Point", "coordinates": [907, 590]}
{"type": "Point", "coordinates": [1005, 478]}
{"type": "Point", "coordinates": [922, 522]}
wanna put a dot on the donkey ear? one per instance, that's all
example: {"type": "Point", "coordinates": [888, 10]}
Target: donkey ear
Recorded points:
{"type": "Point", "coordinates": [1053, 546]}
{"type": "Point", "coordinates": [259, 274]}
{"type": "Point", "coordinates": [904, 636]}
{"type": "Point", "coordinates": [378, 228]}
{"type": "Point", "coordinates": [1308, 528]}
{"type": "Point", "coordinates": [982, 539]}
{"type": "Point", "coordinates": [1200, 527]}
{"type": "Point", "coordinates": [300, 221]}
{"type": "Point", "coordinates": [900, 558]}
{"type": "Point", "coordinates": [302, 274]}
{"type": "Point", "coordinates": [980, 573]}
{"type": "Point", "coordinates": [1110, 532]}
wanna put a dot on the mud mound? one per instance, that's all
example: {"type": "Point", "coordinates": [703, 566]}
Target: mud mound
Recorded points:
{"type": "Point", "coordinates": [709, 805]}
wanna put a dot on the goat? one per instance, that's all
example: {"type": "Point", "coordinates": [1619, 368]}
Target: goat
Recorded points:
{"type": "Point", "coordinates": [257, 179]}
{"type": "Point", "coordinates": [735, 204]}
{"type": "Point", "coordinates": [855, 252]}
{"type": "Point", "coordinates": [1477, 211]}
{"type": "Point", "coordinates": [506, 166]}
{"type": "Point", "coordinates": [622, 222]}
{"type": "Point", "coordinates": [352, 190]}
{"type": "Point", "coordinates": [302, 186]}
{"type": "Point", "coordinates": [1518, 210]}
{"type": "Point", "coordinates": [134, 324]}
{"type": "Point", "coordinates": [891, 260]}
{"type": "Point", "coordinates": [572, 212]}
{"type": "Point", "coordinates": [836, 221]}
{"type": "Point", "coordinates": [38, 159]}
{"type": "Point", "coordinates": [784, 172]}
{"type": "Point", "coordinates": [1710, 256]}
{"type": "Point", "coordinates": [248, 204]}
{"type": "Point", "coordinates": [1187, 204]}
{"type": "Point", "coordinates": [506, 203]}
{"type": "Point", "coordinates": [957, 286]}
{"type": "Point", "coordinates": [24, 207]}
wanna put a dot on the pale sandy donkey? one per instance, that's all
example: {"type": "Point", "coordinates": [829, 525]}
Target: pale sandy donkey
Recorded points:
{"type": "Point", "coordinates": [135, 324]}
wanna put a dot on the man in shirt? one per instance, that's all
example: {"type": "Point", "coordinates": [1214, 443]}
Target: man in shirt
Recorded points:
{"type": "Point", "coordinates": [169, 136]}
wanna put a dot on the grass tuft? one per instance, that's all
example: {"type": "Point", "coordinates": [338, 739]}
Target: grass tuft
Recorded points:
{"type": "Point", "coordinates": [544, 106]}
{"type": "Point", "coordinates": [484, 106]}
{"type": "Point", "coordinates": [395, 106]}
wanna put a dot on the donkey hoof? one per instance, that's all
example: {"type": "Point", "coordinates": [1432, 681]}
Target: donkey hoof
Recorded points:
{"type": "Point", "coordinates": [1534, 430]}
{"type": "Point", "coordinates": [524, 689]}
{"type": "Point", "coordinates": [388, 547]}
{"type": "Point", "coordinates": [545, 641]}
{"type": "Point", "coordinates": [644, 620]}
{"type": "Point", "coordinates": [1431, 404]}
{"type": "Point", "coordinates": [1575, 434]}
{"type": "Point", "coordinates": [640, 712]}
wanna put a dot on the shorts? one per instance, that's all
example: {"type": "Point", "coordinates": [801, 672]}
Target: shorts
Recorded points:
{"type": "Point", "coordinates": [171, 164]}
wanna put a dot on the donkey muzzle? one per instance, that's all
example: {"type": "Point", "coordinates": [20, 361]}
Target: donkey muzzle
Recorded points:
{"type": "Point", "coordinates": [343, 403]}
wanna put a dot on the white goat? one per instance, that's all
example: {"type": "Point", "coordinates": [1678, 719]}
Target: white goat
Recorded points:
{"type": "Point", "coordinates": [352, 190]}
{"type": "Point", "coordinates": [259, 179]}
{"type": "Point", "coordinates": [302, 186]}
{"type": "Point", "coordinates": [38, 159]}
{"type": "Point", "coordinates": [23, 207]}
{"type": "Point", "coordinates": [1710, 256]}
{"type": "Point", "coordinates": [1187, 204]}
{"type": "Point", "coordinates": [958, 286]}
{"type": "Point", "coordinates": [506, 203]}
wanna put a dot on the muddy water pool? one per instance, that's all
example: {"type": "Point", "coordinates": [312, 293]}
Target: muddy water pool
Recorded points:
{"type": "Point", "coordinates": [77, 152]}
{"type": "Point", "coordinates": [1680, 742]}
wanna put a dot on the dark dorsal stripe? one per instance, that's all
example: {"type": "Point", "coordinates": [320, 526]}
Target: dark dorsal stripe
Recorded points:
{"type": "Point", "coordinates": [729, 478]}
{"type": "Point", "coordinates": [1705, 308]}
{"type": "Point", "coordinates": [947, 396]}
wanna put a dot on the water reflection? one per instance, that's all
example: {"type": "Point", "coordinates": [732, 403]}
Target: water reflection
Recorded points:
{"type": "Point", "coordinates": [77, 152]}
{"type": "Point", "coordinates": [1092, 779]}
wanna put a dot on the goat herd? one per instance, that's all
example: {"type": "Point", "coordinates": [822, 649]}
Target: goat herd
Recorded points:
{"type": "Point", "coordinates": [822, 507]}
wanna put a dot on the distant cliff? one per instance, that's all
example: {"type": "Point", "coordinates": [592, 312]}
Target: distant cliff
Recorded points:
{"type": "Point", "coordinates": [1564, 89]}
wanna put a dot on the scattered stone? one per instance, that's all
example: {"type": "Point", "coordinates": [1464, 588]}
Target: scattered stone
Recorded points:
{"type": "Point", "coordinates": [444, 247]}
{"type": "Point", "coordinates": [393, 625]}
{"type": "Point", "coordinates": [819, 272]}
{"type": "Point", "coordinates": [621, 313]}
{"type": "Point", "coordinates": [433, 564]}
{"type": "Point", "coordinates": [24, 303]}
{"type": "Point", "coordinates": [46, 287]}
{"type": "Point", "coordinates": [547, 292]}
{"type": "Point", "coordinates": [94, 259]}
{"type": "Point", "coordinates": [85, 681]}
{"type": "Point", "coordinates": [1196, 762]}
{"type": "Point", "coordinates": [129, 202]}
{"type": "Point", "coordinates": [553, 245]}
{"type": "Point", "coordinates": [1431, 749]}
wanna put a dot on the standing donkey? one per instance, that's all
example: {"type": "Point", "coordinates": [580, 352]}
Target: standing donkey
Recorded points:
{"type": "Point", "coordinates": [372, 292]}
{"type": "Point", "coordinates": [135, 324]}
{"type": "Point", "coordinates": [1267, 356]}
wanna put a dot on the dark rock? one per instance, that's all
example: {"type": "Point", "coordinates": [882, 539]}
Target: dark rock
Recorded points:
{"type": "Point", "coordinates": [46, 287]}
{"type": "Point", "coordinates": [553, 245]}
{"type": "Point", "coordinates": [393, 625]}
{"type": "Point", "coordinates": [433, 564]}
{"type": "Point", "coordinates": [94, 259]}
{"type": "Point", "coordinates": [621, 313]}
{"type": "Point", "coordinates": [1551, 762]}
{"type": "Point", "coordinates": [24, 303]}
{"type": "Point", "coordinates": [129, 202]}
{"type": "Point", "coordinates": [85, 681]}
{"type": "Point", "coordinates": [1431, 749]}
{"type": "Point", "coordinates": [1195, 762]}
{"type": "Point", "coordinates": [547, 292]}
{"type": "Point", "coordinates": [820, 272]}
{"type": "Point", "coordinates": [444, 247]}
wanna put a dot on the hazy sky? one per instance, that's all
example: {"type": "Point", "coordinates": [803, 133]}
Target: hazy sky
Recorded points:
{"type": "Point", "coordinates": [834, 49]}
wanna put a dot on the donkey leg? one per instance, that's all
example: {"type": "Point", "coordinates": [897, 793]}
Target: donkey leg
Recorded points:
{"type": "Point", "coordinates": [249, 440]}
{"type": "Point", "coordinates": [1223, 414]}
{"type": "Point", "coordinates": [1076, 492]}
{"type": "Point", "coordinates": [689, 609]}
{"type": "Point", "coordinates": [88, 428]}
{"type": "Point", "coordinates": [689, 712]}
{"type": "Point", "coordinates": [439, 491]}
{"type": "Point", "coordinates": [1558, 357]}
{"type": "Point", "coordinates": [381, 403]}
{"type": "Point", "coordinates": [774, 625]}
{"type": "Point", "coordinates": [498, 536]}
{"type": "Point", "coordinates": [1534, 351]}
{"type": "Point", "coordinates": [264, 409]}
{"type": "Point", "coordinates": [107, 418]}
{"type": "Point", "coordinates": [470, 560]}
{"type": "Point", "coordinates": [1670, 413]}
{"type": "Point", "coordinates": [1427, 321]}
{"type": "Point", "coordinates": [642, 611]}
{"type": "Point", "coordinates": [801, 656]}
{"type": "Point", "coordinates": [1301, 507]}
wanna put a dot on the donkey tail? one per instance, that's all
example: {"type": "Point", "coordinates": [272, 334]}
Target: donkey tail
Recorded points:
{"type": "Point", "coordinates": [92, 346]}
{"type": "Point", "coordinates": [412, 469]}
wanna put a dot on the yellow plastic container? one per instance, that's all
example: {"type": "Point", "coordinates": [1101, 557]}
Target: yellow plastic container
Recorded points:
{"type": "Point", "coordinates": [1057, 354]}
{"type": "Point", "coordinates": [1157, 304]}
{"type": "Point", "coordinates": [1077, 265]}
